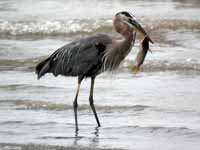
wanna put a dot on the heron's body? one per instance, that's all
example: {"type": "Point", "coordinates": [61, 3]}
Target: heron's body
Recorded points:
{"type": "Point", "coordinates": [88, 57]}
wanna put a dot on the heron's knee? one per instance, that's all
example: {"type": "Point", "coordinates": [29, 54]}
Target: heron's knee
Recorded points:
{"type": "Point", "coordinates": [91, 101]}
{"type": "Point", "coordinates": [75, 104]}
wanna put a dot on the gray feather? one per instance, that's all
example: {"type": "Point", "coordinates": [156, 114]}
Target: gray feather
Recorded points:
{"type": "Point", "coordinates": [82, 57]}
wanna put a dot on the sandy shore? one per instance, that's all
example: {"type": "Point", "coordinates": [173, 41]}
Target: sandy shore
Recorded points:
{"type": "Point", "coordinates": [9, 146]}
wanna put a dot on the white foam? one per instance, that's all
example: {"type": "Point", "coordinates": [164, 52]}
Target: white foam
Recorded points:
{"type": "Point", "coordinates": [51, 27]}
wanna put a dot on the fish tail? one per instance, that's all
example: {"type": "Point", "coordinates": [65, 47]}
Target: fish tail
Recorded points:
{"type": "Point", "coordinates": [135, 69]}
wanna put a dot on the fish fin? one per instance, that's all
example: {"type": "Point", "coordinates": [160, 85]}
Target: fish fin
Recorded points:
{"type": "Point", "coordinates": [149, 39]}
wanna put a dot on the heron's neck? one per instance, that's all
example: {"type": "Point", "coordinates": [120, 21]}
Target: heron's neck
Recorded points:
{"type": "Point", "coordinates": [127, 43]}
{"type": "Point", "coordinates": [118, 51]}
{"type": "Point", "coordinates": [128, 35]}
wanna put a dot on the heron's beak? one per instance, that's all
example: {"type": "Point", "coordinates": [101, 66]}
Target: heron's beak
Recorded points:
{"type": "Point", "coordinates": [134, 24]}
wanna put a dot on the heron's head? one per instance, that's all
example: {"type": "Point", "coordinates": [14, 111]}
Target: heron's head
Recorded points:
{"type": "Point", "coordinates": [124, 20]}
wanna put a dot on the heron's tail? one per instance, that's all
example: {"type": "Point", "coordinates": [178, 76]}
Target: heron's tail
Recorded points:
{"type": "Point", "coordinates": [43, 67]}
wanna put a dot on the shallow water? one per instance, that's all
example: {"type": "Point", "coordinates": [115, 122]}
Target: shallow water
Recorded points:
{"type": "Point", "coordinates": [158, 107]}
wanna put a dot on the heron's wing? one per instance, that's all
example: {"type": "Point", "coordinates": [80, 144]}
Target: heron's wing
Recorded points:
{"type": "Point", "coordinates": [82, 57]}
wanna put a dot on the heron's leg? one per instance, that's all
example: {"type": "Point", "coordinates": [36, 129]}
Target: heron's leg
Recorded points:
{"type": "Point", "coordinates": [75, 104]}
{"type": "Point", "coordinates": [92, 101]}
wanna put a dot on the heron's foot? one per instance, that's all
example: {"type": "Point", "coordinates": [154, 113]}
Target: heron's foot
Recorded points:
{"type": "Point", "coordinates": [98, 124]}
{"type": "Point", "coordinates": [76, 131]}
{"type": "Point", "coordinates": [96, 133]}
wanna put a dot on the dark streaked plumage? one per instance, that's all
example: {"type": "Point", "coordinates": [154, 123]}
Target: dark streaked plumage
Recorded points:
{"type": "Point", "coordinates": [90, 56]}
{"type": "Point", "coordinates": [79, 58]}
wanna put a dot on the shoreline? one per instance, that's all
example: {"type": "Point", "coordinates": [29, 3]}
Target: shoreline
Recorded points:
{"type": "Point", "coordinates": [31, 146]}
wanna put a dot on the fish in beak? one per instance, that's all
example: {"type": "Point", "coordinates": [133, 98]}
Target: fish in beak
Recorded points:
{"type": "Point", "coordinates": [144, 48]}
{"type": "Point", "coordinates": [133, 23]}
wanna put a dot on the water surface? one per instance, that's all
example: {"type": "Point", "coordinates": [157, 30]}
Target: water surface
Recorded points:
{"type": "Point", "coordinates": [158, 107]}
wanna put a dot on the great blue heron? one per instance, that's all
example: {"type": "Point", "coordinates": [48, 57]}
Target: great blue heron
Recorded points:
{"type": "Point", "coordinates": [88, 57]}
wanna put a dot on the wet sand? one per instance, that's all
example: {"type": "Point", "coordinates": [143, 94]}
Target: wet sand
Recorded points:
{"type": "Point", "coordinates": [8, 146]}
